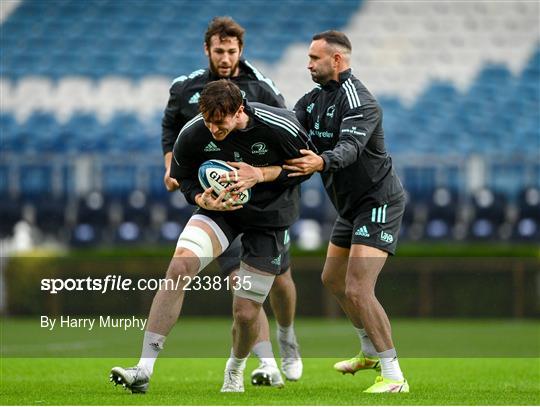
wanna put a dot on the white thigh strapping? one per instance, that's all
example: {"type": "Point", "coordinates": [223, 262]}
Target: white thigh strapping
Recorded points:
{"type": "Point", "coordinates": [215, 227]}
{"type": "Point", "coordinates": [198, 241]}
{"type": "Point", "coordinates": [253, 286]}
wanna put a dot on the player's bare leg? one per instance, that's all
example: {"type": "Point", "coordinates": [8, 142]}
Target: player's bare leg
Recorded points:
{"type": "Point", "coordinates": [185, 264]}
{"type": "Point", "coordinates": [267, 373]}
{"type": "Point", "coordinates": [264, 328]}
{"type": "Point", "coordinates": [365, 264]}
{"type": "Point", "coordinates": [283, 299]}
{"type": "Point", "coordinates": [166, 308]}
{"type": "Point", "coordinates": [244, 334]}
{"type": "Point", "coordinates": [245, 326]}
{"type": "Point", "coordinates": [254, 286]}
{"type": "Point", "coordinates": [283, 302]}
{"type": "Point", "coordinates": [167, 303]}
{"type": "Point", "coordinates": [333, 277]}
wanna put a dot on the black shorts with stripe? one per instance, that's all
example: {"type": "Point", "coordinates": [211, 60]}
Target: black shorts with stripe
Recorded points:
{"type": "Point", "coordinates": [263, 249]}
{"type": "Point", "coordinates": [229, 260]}
{"type": "Point", "coordinates": [376, 227]}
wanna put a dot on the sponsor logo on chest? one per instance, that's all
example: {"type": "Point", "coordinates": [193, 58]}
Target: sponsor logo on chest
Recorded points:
{"type": "Point", "coordinates": [259, 149]}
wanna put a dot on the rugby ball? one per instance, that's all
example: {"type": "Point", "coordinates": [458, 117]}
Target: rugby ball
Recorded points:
{"type": "Point", "coordinates": [209, 173]}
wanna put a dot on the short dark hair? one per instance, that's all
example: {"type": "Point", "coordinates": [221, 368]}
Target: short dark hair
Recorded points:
{"type": "Point", "coordinates": [224, 27]}
{"type": "Point", "coordinates": [219, 99]}
{"type": "Point", "coordinates": [334, 37]}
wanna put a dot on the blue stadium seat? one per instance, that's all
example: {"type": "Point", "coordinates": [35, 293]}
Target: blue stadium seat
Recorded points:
{"type": "Point", "coordinates": [119, 180]}
{"type": "Point", "coordinates": [9, 142]}
{"type": "Point", "coordinates": [408, 217]}
{"type": "Point", "coordinates": [155, 186]}
{"type": "Point", "coordinates": [92, 225]}
{"type": "Point", "coordinates": [496, 117]}
{"type": "Point", "coordinates": [4, 180]}
{"type": "Point", "coordinates": [50, 214]}
{"type": "Point", "coordinates": [489, 214]}
{"type": "Point", "coordinates": [124, 134]}
{"type": "Point", "coordinates": [441, 214]}
{"type": "Point", "coordinates": [527, 225]}
{"type": "Point", "coordinates": [529, 202]}
{"type": "Point", "coordinates": [35, 181]}
{"type": "Point", "coordinates": [11, 209]}
{"type": "Point", "coordinates": [136, 219]}
{"type": "Point", "coordinates": [76, 29]}
{"type": "Point", "coordinates": [419, 182]}
{"type": "Point", "coordinates": [176, 213]}
{"type": "Point", "coordinates": [507, 178]}
{"type": "Point", "coordinates": [43, 130]}
{"type": "Point", "coordinates": [82, 134]}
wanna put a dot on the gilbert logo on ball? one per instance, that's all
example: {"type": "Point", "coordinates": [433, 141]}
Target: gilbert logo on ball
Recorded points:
{"type": "Point", "coordinates": [209, 173]}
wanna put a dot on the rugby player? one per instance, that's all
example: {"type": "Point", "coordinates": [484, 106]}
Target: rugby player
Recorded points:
{"type": "Point", "coordinates": [223, 45]}
{"type": "Point", "coordinates": [344, 122]}
{"type": "Point", "coordinates": [235, 126]}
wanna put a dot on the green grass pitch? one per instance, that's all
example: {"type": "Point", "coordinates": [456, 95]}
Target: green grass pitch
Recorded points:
{"type": "Point", "coordinates": [436, 356]}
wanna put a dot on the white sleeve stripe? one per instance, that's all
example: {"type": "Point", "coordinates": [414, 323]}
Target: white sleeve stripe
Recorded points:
{"type": "Point", "coordinates": [261, 77]}
{"type": "Point", "coordinates": [352, 101]}
{"type": "Point", "coordinates": [191, 123]}
{"type": "Point", "coordinates": [354, 93]}
{"type": "Point", "coordinates": [277, 119]}
{"type": "Point", "coordinates": [358, 116]}
{"type": "Point", "coordinates": [349, 86]}
{"type": "Point", "coordinates": [353, 98]}
{"type": "Point", "coordinates": [348, 95]}
{"type": "Point", "coordinates": [280, 118]}
{"type": "Point", "coordinates": [192, 75]}
{"type": "Point", "coordinates": [187, 125]}
{"type": "Point", "coordinates": [279, 124]}
{"type": "Point", "coordinates": [179, 79]}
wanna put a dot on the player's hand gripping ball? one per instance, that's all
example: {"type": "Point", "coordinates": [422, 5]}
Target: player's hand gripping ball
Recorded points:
{"type": "Point", "coordinates": [209, 173]}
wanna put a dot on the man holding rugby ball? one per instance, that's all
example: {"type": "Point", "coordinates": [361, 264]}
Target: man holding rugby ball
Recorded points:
{"type": "Point", "coordinates": [259, 138]}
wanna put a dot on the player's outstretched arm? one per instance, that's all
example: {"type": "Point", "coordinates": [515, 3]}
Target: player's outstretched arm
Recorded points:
{"type": "Point", "coordinates": [309, 163]}
{"type": "Point", "coordinates": [246, 176]}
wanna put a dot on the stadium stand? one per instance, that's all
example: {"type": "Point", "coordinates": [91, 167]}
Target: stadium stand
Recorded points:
{"type": "Point", "coordinates": [170, 215]}
{"type": "Point", "coordinates": [11, 209]}
{"type": "Point", "coordinates": [440, 214]}
{"type": "Point", "coordinates": [93, 221]}
{"type": "Point", "coordinates": [84, 85]}
{"type": "Point", "coordinates": [527, 225]}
